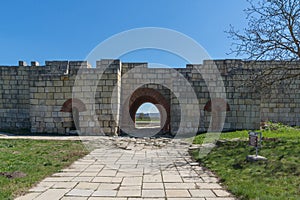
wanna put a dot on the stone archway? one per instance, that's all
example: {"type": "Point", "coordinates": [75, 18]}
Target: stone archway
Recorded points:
{"type": "Point", "coordinates": [217, 106]}
{"type": "Point", "coordinates": [73, 106]}
{"type": "Point", "coordinates": [146, 95]}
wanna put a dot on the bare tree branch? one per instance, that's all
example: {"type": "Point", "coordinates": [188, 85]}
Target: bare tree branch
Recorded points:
{"type": "Point", "coordinates": [273, 34]}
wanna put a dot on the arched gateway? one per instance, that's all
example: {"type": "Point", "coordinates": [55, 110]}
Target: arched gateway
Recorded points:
{"type": "Point", "coordinates": [139, 97]}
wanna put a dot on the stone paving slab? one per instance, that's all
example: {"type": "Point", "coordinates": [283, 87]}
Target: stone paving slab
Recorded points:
{"type": "Point", "coordinates": [163, 171]}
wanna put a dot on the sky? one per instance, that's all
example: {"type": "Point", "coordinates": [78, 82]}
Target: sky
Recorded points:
{"type": "Point", "coordinates": [35, 30]}
{"type": "Point", "coordinates": [147, 108]}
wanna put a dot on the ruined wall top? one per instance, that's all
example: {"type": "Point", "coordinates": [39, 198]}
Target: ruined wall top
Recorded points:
{"type": "Point", "coordinates": [72, 67]}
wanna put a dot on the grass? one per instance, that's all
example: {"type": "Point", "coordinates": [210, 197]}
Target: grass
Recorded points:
{"type": "Point", "coordinates": [35, 158]}
{"type": "Point", "coordinates": [276, 179]}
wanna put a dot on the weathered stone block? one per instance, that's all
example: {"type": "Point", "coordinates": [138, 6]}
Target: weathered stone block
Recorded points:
{"type": "Point", "coordinates": [40, 95]}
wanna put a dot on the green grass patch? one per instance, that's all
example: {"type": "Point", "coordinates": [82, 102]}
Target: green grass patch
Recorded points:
{"type": "Point", "coordinates": [276, 179]}
{"type": "Point", "coordinates": [272, 131]}
{"type": "Point", "coordinates": [36, 159]}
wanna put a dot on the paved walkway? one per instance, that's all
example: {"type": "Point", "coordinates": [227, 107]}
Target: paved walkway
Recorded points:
{"type": "Point", "coordinates": [132, 170]}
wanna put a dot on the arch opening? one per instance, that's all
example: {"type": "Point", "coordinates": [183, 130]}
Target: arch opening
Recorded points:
{"type": "Point", "coordinates": [218, 108]}
{"type": "Point", "coordinates": [147, 116]}
{"type": "Point", "coordinates": [136, 100]}
{"type": "Point", "coordinates": [72, 106]}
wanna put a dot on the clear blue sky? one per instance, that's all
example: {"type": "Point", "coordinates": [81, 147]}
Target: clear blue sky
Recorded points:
{"type": "Point", "coordinates": [70, 29]}
{"type": "Point", "coordinates": [147, 108]}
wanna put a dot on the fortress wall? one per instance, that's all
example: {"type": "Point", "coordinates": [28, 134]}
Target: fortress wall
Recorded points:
{"type": "Point", "coordinates": [282, 105]}
{"type": "Point", "coordinates": [50, 87]}
{"type": "Point", "coordinates": [177, 106]}
{"type": "Point", "coordinates": [60, 82]}
{"type": "Point", "coordinates": [14, 97]}
{"type": "Point", "coordinates": [32, 97]}
{"type": "Point", "coordinates": [282, 102]}
{"type": "Point", "coordinates": [195, 77]}
{"type": "Point", "coordinates": [244, 102]}
{"type": "Point", "coordinates": [107, 96]}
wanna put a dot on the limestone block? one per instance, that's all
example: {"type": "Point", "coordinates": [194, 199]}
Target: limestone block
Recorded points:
{"type": "Point", "coordinates": [33, 89]}
{"type": "Point", "coordinates": [50, 95]}
{"type": "Point", "coordinates": [41, 90]}
{"type": "Point", "coordinates": [50, 125]}
{"type": "Point", "coordinates": [58, 96]}
{"type": "Point", "coordinates": [67, 95]}
{"type": "Point", "coordinates": [57, 83]}
{"type": "Point", "coordinates": [240, 114]}
{"type": "Point", "coordinates": [50, 102]}
{"type": "Point", "coordinates": [68, 124]}
{"type": "Point", "coordinates": [40, 83]}
{"type": "Point", "coordinates": [34, 101]}
{"type": "Point", "coordinates": [107, 130]}
{"type": "Point", "coordinates": [91, 123]}
{"type": "Point", "coordinates": [84, 124]}
{"type": "Point", "coordinates": [48, 120]}
{"type": "Point", "coordinates": [48, 89]}
{"type": "Point", "coordinates": [40, 95]}
{"type": "Point", "coordinates": [7, 87]}
{"type": "Point", "coordinates": [42, 108]}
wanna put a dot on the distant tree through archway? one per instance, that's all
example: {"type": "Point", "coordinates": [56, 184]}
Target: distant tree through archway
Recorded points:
{"type": "Point", "coordinates": [147, 116]}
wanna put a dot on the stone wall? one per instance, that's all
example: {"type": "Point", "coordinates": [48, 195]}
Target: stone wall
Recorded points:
{"type": "Point", "coordinates": [282, 103]}
{"type": "Point", "coordinates": [14, 97]}
{"type": "Point", "coordinates": [50, 98]}
{"type": "Point", "coordinates": [49, 89]}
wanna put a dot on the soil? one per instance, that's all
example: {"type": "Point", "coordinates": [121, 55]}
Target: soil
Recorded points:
{"type": "Point", "coordinates": [12, 175]}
